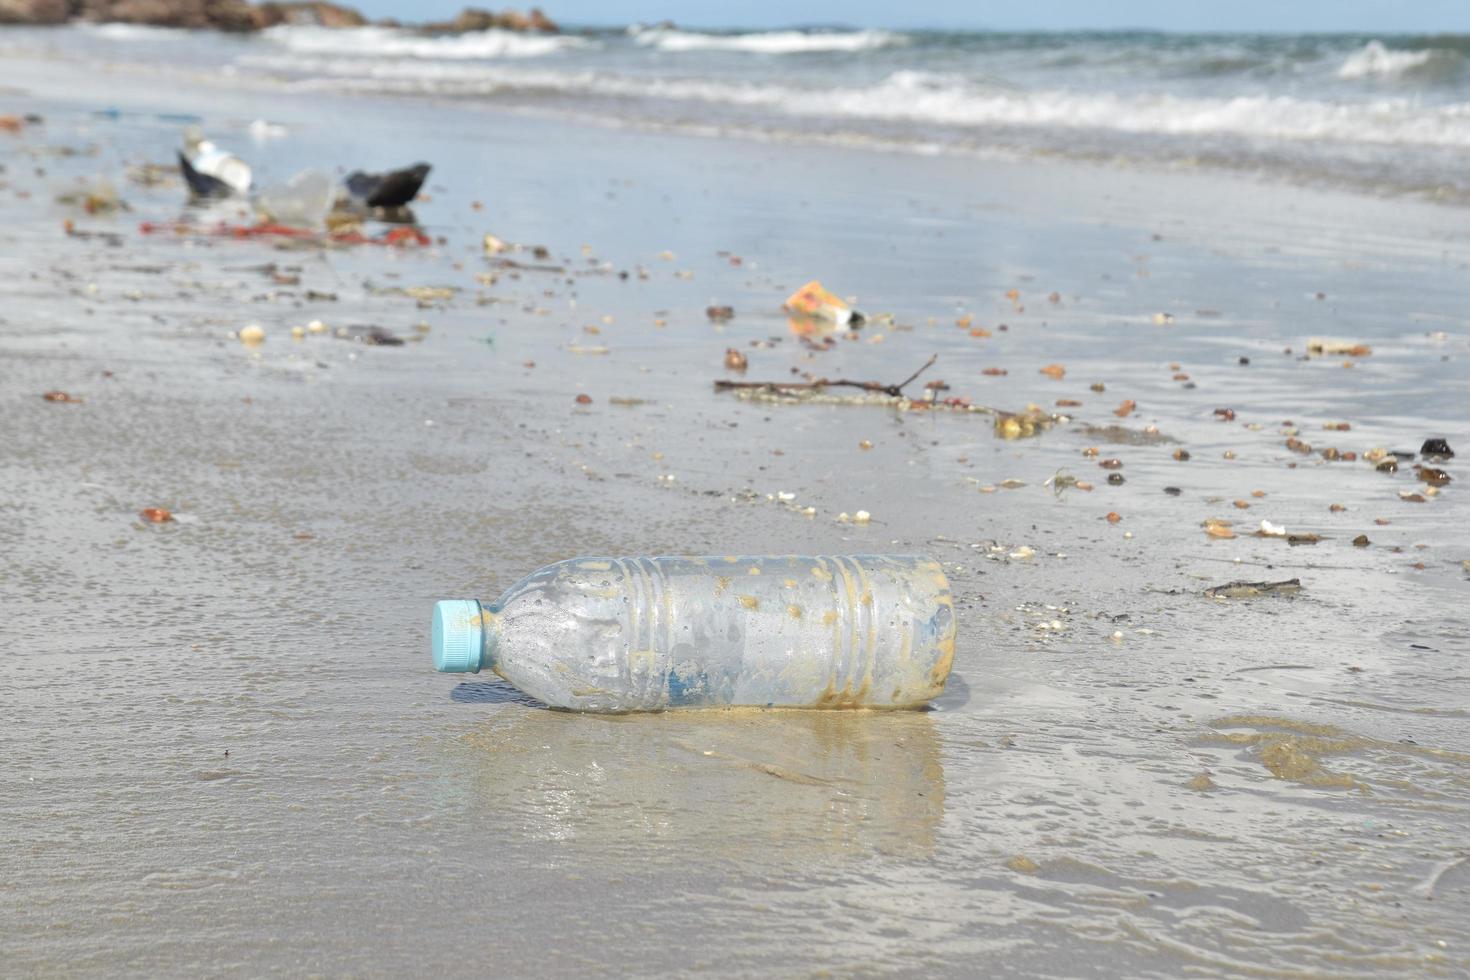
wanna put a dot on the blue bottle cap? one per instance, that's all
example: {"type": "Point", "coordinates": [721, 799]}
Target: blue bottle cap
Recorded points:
{"type": "Point", "coordinates": [457, 636]}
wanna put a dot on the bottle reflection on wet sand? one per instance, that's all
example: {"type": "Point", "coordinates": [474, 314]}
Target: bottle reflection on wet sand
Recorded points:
{"type": "Point", "coordinates": [743, 786]}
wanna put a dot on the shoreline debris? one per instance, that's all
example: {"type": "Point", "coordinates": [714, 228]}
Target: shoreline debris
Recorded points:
{"type": "Point", "coordinates": [815, 302]}
{"type": "Point", "coordinates": [1254, 590]}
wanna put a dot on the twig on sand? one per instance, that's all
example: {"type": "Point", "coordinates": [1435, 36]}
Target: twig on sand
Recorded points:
{"type": "Point", "coordinates": [893, 391]}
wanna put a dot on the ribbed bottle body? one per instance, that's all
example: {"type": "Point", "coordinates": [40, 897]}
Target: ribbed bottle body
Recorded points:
{"type": "Point", "coordinates": [645, 634]}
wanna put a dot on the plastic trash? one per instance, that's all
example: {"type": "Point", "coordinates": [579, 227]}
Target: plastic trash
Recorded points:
{"type": "Point", "coordinates": [392, 189]}
{"type": "Point", "coordinates": [814, 301]}
{"type": "Point", "coordinates": [645, 634]}
{"type": "Point", "coordinates": [303, 202]}
{"type": "Point", "coordinates": [210, 171]}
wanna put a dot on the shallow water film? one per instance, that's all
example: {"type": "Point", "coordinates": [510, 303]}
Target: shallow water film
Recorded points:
{"type": "Point", "coordinates": [1208, 709]}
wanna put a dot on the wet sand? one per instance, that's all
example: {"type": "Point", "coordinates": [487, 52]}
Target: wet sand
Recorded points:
{"type": "Point", "coordinates": [226, 750]}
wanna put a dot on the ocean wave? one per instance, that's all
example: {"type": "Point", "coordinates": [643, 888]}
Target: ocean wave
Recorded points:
{"type": "Point", "coordinates": [133, 32]}
{"type": "Point", "coordinates": [767, 42]}
{"type": "Point", "coordinates": [1373, 60]}
{"type": "Point", "coordinates": [383, 42]}
{"type": "Point", "coordinates": [943, 100]}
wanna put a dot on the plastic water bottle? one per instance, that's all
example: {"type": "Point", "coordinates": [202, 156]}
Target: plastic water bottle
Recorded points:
{"type": "Point", "coordinates": [645, 634]}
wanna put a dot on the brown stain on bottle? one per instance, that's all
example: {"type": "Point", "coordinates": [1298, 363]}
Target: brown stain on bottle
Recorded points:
{"type": "Point", "coordinates": [847, 697]}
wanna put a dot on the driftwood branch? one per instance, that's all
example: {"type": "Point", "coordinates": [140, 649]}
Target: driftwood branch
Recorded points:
{"type": "Point", "coordinates": [894, 390]}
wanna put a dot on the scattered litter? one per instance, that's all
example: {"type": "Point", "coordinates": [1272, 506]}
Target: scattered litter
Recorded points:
{"type": "Point", "coordinates": [378, 337]}
{"type": "Point", "coordinates": [1436, 447]}
{"type": "Point", "coordinates": [385, 191]}
{"type": "Point", "coordinates": [1023, 425]}
{"type": "Point", "coordinates": [735, 360]}
{"type": "Point", "coordinates": [814, 301]}
{"type": "Point", "coordinates": [1254, 590]}
{"type": "Point", "coordinates": [719, 314]}
{"type": "Point", "coordinates": [1061, 480]}
{"type": "Point", "coordinates": [61, 396]}
{"type": "Point", "coordinates": [1328, 346]}
{"type": "Point", "coordinates": [97, 197]}
{"type": "Point", "coordinates": [1054, 371]}
{"type": "Point", "coordinates": [423, 295]}
{"type": "Point", "coordinates": [348, 236]}
{"type": "Point", "coordinates": [1269, 530]}
{"type": "Point", "coordinates": [1217, 528]}
{"type": "Point", "coordinates": [210, 171]}
{"type": "Point", "coordinates": [251, 334]}
{"type": "Point", "coordinates": [156, 515]}
{"type": "Point", "coordinates": [302, 202]}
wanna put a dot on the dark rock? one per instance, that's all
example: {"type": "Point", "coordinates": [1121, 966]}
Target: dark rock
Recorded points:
{"type": "Point", "coordinates": [472, 19]}
{"type": "Point", "coordinates": [222, 15]}
{"type": "Point", "coordinates": [35, 11]}
{"type": "Point", "coordinates": [315, 13]}
{"type": "Point", "coordinates": [1436, 447]}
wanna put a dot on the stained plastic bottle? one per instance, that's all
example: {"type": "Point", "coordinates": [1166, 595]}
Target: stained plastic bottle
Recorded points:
{"type": "Point", "coordinates": [645, 634]}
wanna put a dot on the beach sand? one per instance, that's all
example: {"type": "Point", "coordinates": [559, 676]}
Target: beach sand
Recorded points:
{"type": "Point", "coordinates": [225, 750]}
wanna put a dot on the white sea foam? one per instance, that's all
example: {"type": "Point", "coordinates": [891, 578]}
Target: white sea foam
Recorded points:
{"type": "Point", "coordinates": [133, 32]}
{"type": "Point", "coordinates": [768, 42]}
{"type": "Point", "coordinates": [938, 100]}
{"type": "Point", "coordinates": [369, 42]}
{"type": "Point", "coordinates": [1373, 60]}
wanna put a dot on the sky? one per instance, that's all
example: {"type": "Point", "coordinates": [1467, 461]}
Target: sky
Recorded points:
{"type": "Point", "coordinates": [1294, 16]}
